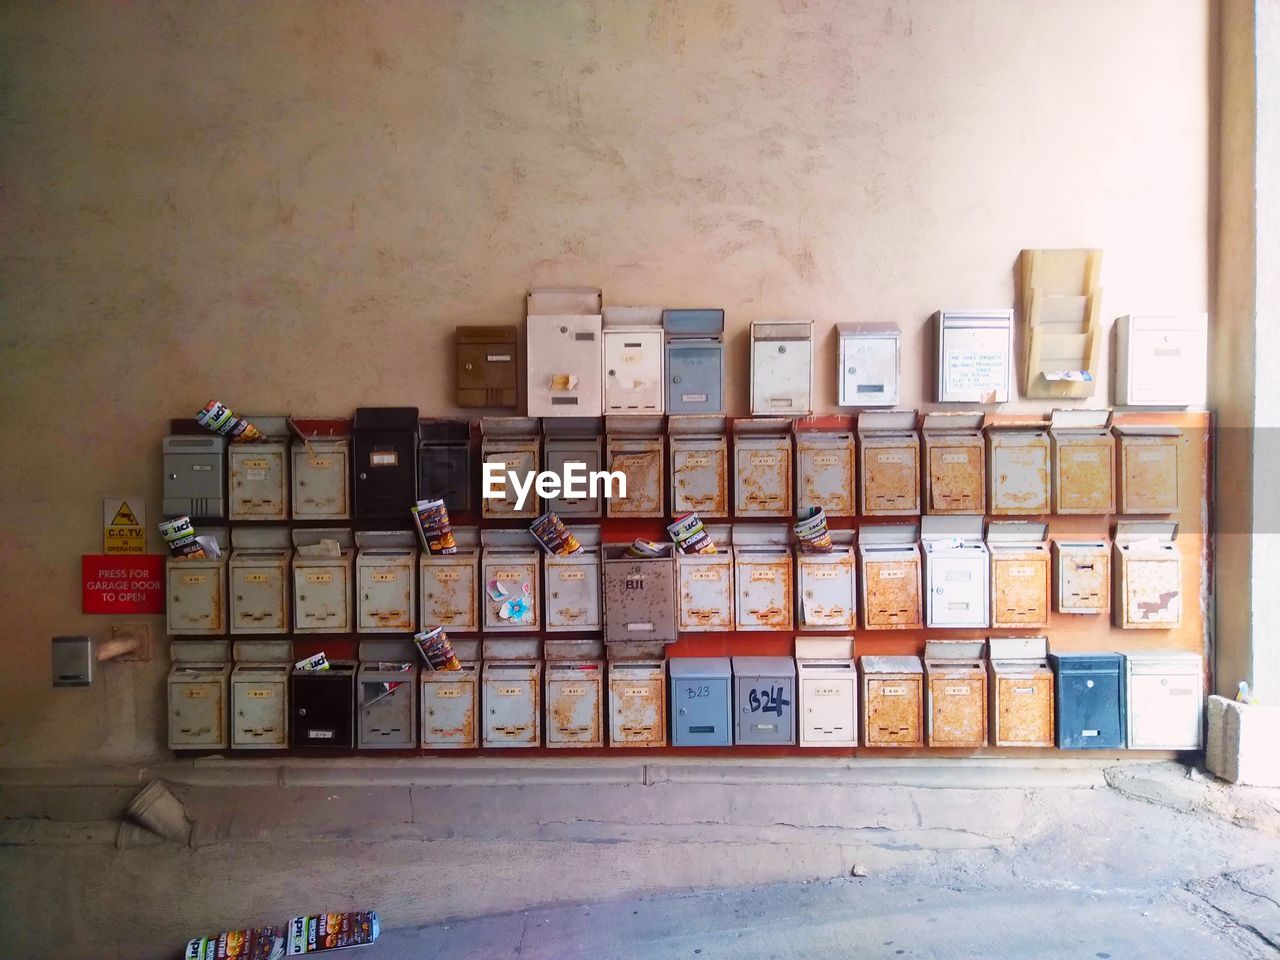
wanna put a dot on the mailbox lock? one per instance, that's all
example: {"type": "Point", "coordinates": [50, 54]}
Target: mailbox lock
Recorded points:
{"type": "Point", "coordinates": [564, 329]}
{"type": "Point", "coordinates": [364, 476]}
{"type": "Point", "coordinates": [1089, 684]}
{"type": "Point", "coordinates": [173, 476]}
{"type": "Point", "coordinates": [782, 349]}
{"type": "Point", "coordinates": [676, 378]}
{"type": "Point", "coordinates": [613, 373]}
{"type": "Point", "coordinates": [302, 711]}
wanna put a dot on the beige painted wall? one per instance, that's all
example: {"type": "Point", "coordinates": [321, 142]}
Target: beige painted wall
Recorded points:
{"type": "Point", "coordinates": [290, 205]}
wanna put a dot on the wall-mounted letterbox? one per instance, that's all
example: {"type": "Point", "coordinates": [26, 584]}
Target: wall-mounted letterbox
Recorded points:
{"type": "Point", "coordinates": [1082, 581]}
{"type": "Point", "coordinates": [198, 590]}
{"type": "Point", "coordinates": [387, 686]}
{"type": "Point", "coordinates": [639, 596]}
{"type": "Point", "coordinates": [955, 474]}
{"type": "Point", "coordinates": [892, 702]}
{"type": "Point", "coordinates": [511, 693]}
{"type": "Point", "coordinates": [763, 577]}
{"type": "Point", "coordinates": [635, 448]}
{"type": "Point", "coordinates": [764, 700]}
{"type": "Point", "coordinates": [1165, 697]}
{"type": "Point", "coordinates": [511, 581]}
{"type": "Point", "coordinates": [258, 473]}
{"type": "Point", "coordinates": [1020, 561]}
{"type": "Point", "coordinates": [260, 694]}
{"type": "Point", "coordinates": [323, 564]}
{"type": "Point", "coordinates": [450, 585]}
{"type": "Point", "coordinates": [564, 365]}
{"type": "Point", "coordinates": [955, 677]}
{"type": "Point", "coordinates": [975, 355]}
{"type": "Point", "coordinates": [198, 695]}
{"type": "Point", "coordinates": [386, 587]}
{"type": "Point", "coordinates": [487, 367]}
{"type": "Point", "coordinates": [1084, 461]}
{"type": "Point", "coordinates": [194, 476]}
{"type": "Point", "coordinates": [385, 461]}
{"type": "Point", "coordinates": [1148, 576]}
{"type": "Point", "coordinates": [1021, 692]}
{"type": "Point", "coordinates": [573, 449]}
{"type": "Point", "coordinates": [451, 702]}
{"type": "Point", "coordinates": [638, 701]}
{"type": "Point", "coordinates": [1090, 697]}
{"type": "Point", "coordinates": [1149, 468]}
{"type": "Point", "coordinates": [870, 363]}
{"type": "Point", "coordinates": [260, 584]}
{"type": "Point", "coordinates": [701, 702]}
{"type": "Point", "coordinates": [826, 587]}
{"type": "Point", "coordinates": [699, 448]}
{"type": "Point", "coordinates": [633, 360]}
{"type": "Point", "coordinates": [1018, 468]}
{"type": "Point", "coordinates": [511, 445]}
{"type": "Point", "coordinates": [695, 360]}
{"type": "Point", "coordinates": [1162, 361]}
{"type": "Point", "coordinates": [762, 467]}
{"type": "Point", "coordinates": [825, 468]}
{"type": "Point", "coordinates": [827, 681]}
{"type": "Point", "coordinates": [322, 706]}
{"type": "Point", "coordinates": [957, 572]}
{"type": "Point", "coordinates": [444, 463]}
{"type": "Point", "coordinates": [574, 694]}
{"type": "Point", "coordinates": [890, 454]}
{"type": "Point", "coordinates": [321, 476]}
{"type": "Point", "coordinates": [890, 577]}
{"type": "Point", "coordinates": [705, 586]}
{"type": "Point", "coordinates": [782, 368]}
{"type": "Point", "coordinates": [573, 587]}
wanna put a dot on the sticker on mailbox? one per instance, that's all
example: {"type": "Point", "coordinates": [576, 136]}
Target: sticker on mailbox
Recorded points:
{"type": "Point", "coordinates": [448, 693]}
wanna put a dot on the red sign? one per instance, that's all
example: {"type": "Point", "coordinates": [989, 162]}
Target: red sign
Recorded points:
{"type": "Point", "coordinates": [123, 584]}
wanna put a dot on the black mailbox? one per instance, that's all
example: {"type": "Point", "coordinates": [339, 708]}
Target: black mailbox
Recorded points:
{"type": "Point", "coordinates": [322, 706]}
{"type": "Point", "coordinates": [444, 463]}
{"type": "Point", "coordinates": [385, 441]}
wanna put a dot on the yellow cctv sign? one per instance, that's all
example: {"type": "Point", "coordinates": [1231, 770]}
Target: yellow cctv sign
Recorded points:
{"type": "Point", "coordinates": [124, 525]}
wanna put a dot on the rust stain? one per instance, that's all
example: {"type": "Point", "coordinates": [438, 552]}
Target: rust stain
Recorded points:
{"type": "Point", "coordinates": [891, 476]}
{"type": "Point", "coordinates": [957, 707]}
{"type": "Point", "coordinates": [892, 711]}
{"type": "Point", "coordinates": [700, 480]}
{"type": "Point", "coordinates": [765, 593]}
{"type": "Point", "coordinates": [763, 487]}
{"type": "Point", "coordinates": [1024, 717]}
{"type": "Point", "coordinates": [825, 475]}
{"type": "Point", "coordinates": [893, 595]}
{"type": "Point", "coordinates": [639, 711]}
{"type": "Point", "coordinates": [1020, 589]}
{"type": "Point", "coordinates": [1086, 475]}
{"type": "Point", "coordinates": [1149, 474]}
{"type": "Point", "coordinates": [957, 478]}
{"type": "Point", "coordinates": [643, 470]}
{"type": "Point", "coordinates": [705, 604]}
{"type": "Point", "coordinates": [1020, 474]}
{"type": "Point", "coordinates": [1152, 589]}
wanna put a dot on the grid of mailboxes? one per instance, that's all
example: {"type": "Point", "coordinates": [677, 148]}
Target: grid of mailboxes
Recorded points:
{"type": "Point", "coordinates": [593, 650]}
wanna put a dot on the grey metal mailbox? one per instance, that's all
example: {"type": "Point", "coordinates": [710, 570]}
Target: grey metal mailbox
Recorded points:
{"type": "Point", "coordinates": [695, 360]}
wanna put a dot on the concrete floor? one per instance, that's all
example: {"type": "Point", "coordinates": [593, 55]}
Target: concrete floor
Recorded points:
{"type": "Point", "coordinates": [654, 860]}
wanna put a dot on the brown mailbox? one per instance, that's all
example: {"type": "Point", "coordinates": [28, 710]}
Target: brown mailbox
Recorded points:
{"type": "Point", "coordinates": [890, 456]}
{"type": "Point", "coordinates": [955, 474]}
{"type": "Point", "coordinates": [891, 701]}
{"type": "Point", "coordinates": [1149, 468]}
{"type": "Point", "coordinates": [1084, 461]}
{"type": "Point", "coordinates": [956, 678]}
{"type": "Point", "coordinates": [1019, 574]}
{"type": "Point", "coordinates": [1021, 692]}
{"type": "Point", "coordinates": [488, 368]}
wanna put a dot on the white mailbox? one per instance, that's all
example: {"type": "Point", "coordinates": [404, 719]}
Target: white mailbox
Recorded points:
{"type": "Point", "coordinates": [260, 694]}
{"type": "Point", "coordinates": [762, 475]}
{"type": "Point", "coordinates": [870, 363]}
{"type": "Point", "coordinates": [975, 355]}
{"type": "Point", "coordinates": [574, 694]}
{"type": "Point", "coordinates": [1082, 583]}
{"type": "Point", "coordinates": [827, 678]}
{"type": "Point", "coordinates": [705, 587]}
{"type": "Point", "coordinates": [699, 453]}
{"type": "Point", "coordinates": [957, 570]}
{"type": "Point", "coordinates": [634, 374]}
{"type": "Point", "coordinates": [321, 478]}
{"type": "Point", "coordinates": [198, 695]}
{"type": "Point", "coordinates": [638, 701]}
{"type": "Point", "coordinates": [1148, 576]}
{"type": "Point", "coordinates": [258, 473]}
{"type": "Point", "coordinates": [510, 571]}
{"type": "Point", "coordinates": [258, 571]}
{"type": "Point", "coordinates": [890, 577]}
{"type": "Point", "coordinates": [825, 585]}
{"type": "Point", "coordinates": [449, 702]}
{"type": "Point", "coordinates": [1165, 700]}
{"type": "Point", "coordinates": [450, 585]}
{"type": "Point", "coordinates": [198, 590]}
{"type": "Point", "coordinates": [825, 466]}
{"type": "Point", "coordinates": [511, 693]}
{"type": "Point", "coordinates": [782, 368]}
{"type": "Point", "coordinates": [573, 586]}
{"type": "Point", "coordinates": [890, 453]}
{"type": "Point", "coordinates": [323, 561]}
{"type": "Point", "coordinates": [564, 356]}
{"type": "Point", "coordinates": [386, 582]}
{"type": "Point", "coordinates": [511, 445]}
{"type": "Point", "coordinates": [762, 570]}
{"type": "Point", "coordinates": [1162, 361]}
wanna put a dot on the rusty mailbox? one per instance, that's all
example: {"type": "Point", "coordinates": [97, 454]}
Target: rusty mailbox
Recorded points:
{"type": "Point", "coordinates": [450, 702]}
{"type": "Point", "coordinates": [444, 463]}
{"type": "Point", "coordinates": [705, 587]}
{"type": "Point", "coordinates": [1084, 461]}
{"type": "Point", "coordinates": [451, 586]}
{"type": "Point", "coordinates": [260, 694]}
{"type": "Point", "coordinates": [639, 595]}
{"type": "Point", "coordinates": [957, 572]}
{"type": "Point", "coordinates": [892, 702]}
{"type": "Point", "coordinates": [258, 473]}
{"type": "Point", "coordinates": [197, 688]}
{"type": "Point", "coordinates": [387, 689]}
{"type": "Point", "coordinates": [890, 455]}
{"type": "Point", "coordinates": [634, 447]}
{"type": "Point", "coordinates": [699, 451]}
{"type": "Point", "coordinates": [1148, 576]}
{"type": "Point", "coordinates": [509, 445]}
{"type": "Point", "coordinates": [1082, 578]}
{"type": "Point", "coordinates": [782, 368]}
{"type": "Point", "coordinates": [322, 470]}
{"type": "Point", "coordinates": [576, 445]}
{"type": "Point", "coordinates": [826, 587]}
{"type": "Point", "coordinates": [825, 466]}
{"type": "Point", "coordinates": [573, 587]}
{"type": "Point", "coordinates": [762, 575]}
{"type": "Point", "coordinates": [638, 699]}
{"type": "Point", "coordinates": [386, 582]}
{"type": "Point", "coordinates": [574, 676]}
{"type": "Point", "coordinates": [510, 573]}
{"type": "Point", "coordinates": [827, 681]}
{"type": "Point", "coordinates": [511, 693]}
{"type": "Point", "coordinates": [890, 576]}
{"type": "Point", "coordinates": [1018, 467]}
{"type": "Point", "coordinates": [258, 572]}
{"type": "Point", "coordinates": [762, 461]}
{"type": "Point", "coordinates": [633, 361]}
{"type": "Point", "coordinates": [487, 366]}
{"type": "Point", "coordinates": [563, 344]}
{"type": "Point", "coordinates": [1149, 468]}
{"type": "Point", "coordinates": [1021, 681]}
{"type": "Point", "coordinates": [323, 567]}
{"type": "Point", "coordinates": [1019, 573]}
{"type": "Point", "coordinates": [198, 590]}
{"type": "Point", "coordinates": [955, 677]}
{"type": "Point", "coordinates": [955, 474]}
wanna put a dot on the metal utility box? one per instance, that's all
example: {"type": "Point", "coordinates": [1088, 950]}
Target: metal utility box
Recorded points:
{"type": "Point", "coordinates": [763, 577]}
{"type": "Point", "coordinates": [511, 694]}
{"type": "Point", "coordinates": [701, 702]}
{"type": "Point", "coordinates": [72, 661]}
{"type": "Point", "coordinates": [955, 474]}
{"type": "Point", "coordinates": [633, 361]}
{"type": "Point", "coordinates": [451, 585]}
{"type": "Point", "coordinates": [957, 572]}
{"type": "Point", "coordinates": [870, 364]}
{"type": "Point", "coordinates": [487, 367]}
{"type": "Point", "coordinates": [1019, 573]}
{"type": "Point", "coordinates": [258, 571]}
{"type": "Point", "coordinates": [574, 694]}
{"type": "Point", "coordinates": [195, 476]}
{"type": "Point", "coordinates": [638, 702]}
{"type": "Point", "coordinates": [890, 454]}
{"type": "Point", "coordinates": [955, 677]}
{"type": "Point", "coordinates": [444, 463]}
{"type": "Point", "coordinates": [388, 686]}
{"type": "Point", "coordinates": [321, 478]}
{"type": "Point", "coordinates": [975, 355]}
{"type": "Point", "coordinates": [1021, 681]}
{"type": "Point", "coordinates": [892, 701]}
{"type": "Point", "coordinates": [198, 590]}
{"type": "Point", "coordinates": [1082, 583]}
{"type": "Point", "coordinates": [510, 445]}
{"type": "Point", "coordinates": [322, 581]}
{"type": "Point", "coordinates": [573, 586]}
{"type": "Point", "coordinates": [1149, 469]}
{"type": "Point", "coordinates": [827, 681]}
{"type": "Point", "coordinates": [1148, 576]}
{"type": "Point", "coordinates": [198, 695]}
{"type": "Point", "coordinates": [826, 592]}
{"type": "Point", "coordinates": [564, 358]}
{"type": "Point", "coordinates": [699, 450]}
{"type": "Point", "coordinates": [639, 596]}
{"type": "Point", "coordinates": [451, 702]}
{"type": "Point", "coordinates": [762, 474]}
{"type": "Point", "coordinates": [386, 592]}
{"type": "Point", "coordinates": [634, 447]}
{"type": "Point", "coordinates": [573, 449]}
{"type": "Point", "coordinates": [890, 576]}
{"type": "Point", "coordinates": [1165, 696]}
{"type": "Point", "coordinates": [782, 368]}
{"type": "Point", "coordinates": [695, 360]}
{"type": "Point", "coordinates": [258, 473]}
{"type": "Point", "coordinates": [825, 469]}
{"type": "Point", "coordinates": [1018, 468]}
{"type": "Point", "coordinates": [260, 694]}
{"type": "Point", "coordinates": [1090, 696]}
{"type": "Point", "coordinates": [385, 461]}
{"type": "Point", "coordinates": [1084, 461]}
{"type": "Point", "coordinates": [764, 700]}
{"type": "Point", "coordinates": [705, 586]}
{"type": "Point", "coordinates": [322, 706]}
{"type": "Point", "coordinates": [511, 581]}
{"type": "Point", "coordinates": [1162, 361]}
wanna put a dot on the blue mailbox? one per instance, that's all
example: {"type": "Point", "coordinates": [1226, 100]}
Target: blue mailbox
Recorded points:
{"type": "Point", "coordinates": [1090, 700]}
{"type": "Point", "coordinates": [764, 699]}
{"type": "Point", "coordinates": [700, 702]}
{"type": "Point", "coordinates": [695, 360]}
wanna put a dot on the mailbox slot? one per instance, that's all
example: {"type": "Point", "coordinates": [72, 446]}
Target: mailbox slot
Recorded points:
{"type": "Point", "coordinates": [764, 696]}
{"type": "Point", "coordinates": [762, 572]}
{"type": "Point", "coordinates": [258, 473]}
{"type": "Point", "coordinates": [1165, 698]}
{"type": "Point", "coordinates": [194, 476]}
{"type": "Point", "coordinates": [870, 364]}
{"type": "Point", "coordinates": [826, 586]}
{"type": "Point", "coordinates": [444, 463]}
{"type": "Point", "coordinates": [1019, 574]}
{"type": "Point", "coordinates": [706, 586]}
{"type": "Point", "coordinates": [197, 688]}
{"type": "Point", "coordinates": [633, 360]}
{"type": "Point", "coordinates": [512, 694]}
{"type": "Point", "coordinates": [322, 705]}
{"type": "Point", "coordinates": [451, 586]}
{"type": "Point", "coordinates": [638, 702]}
{"type": "Point", "coordinates": [387, 684]}
{"type": "Point", "coordinates": [827, 679]}
{"type": "Point", "coordinates": [197, 602]}
{"type": "Point", "coordinates": [564, 353]}
{"type": "Point", "coordinates": [386, 591]}
{"type": "Point", "coordinates": [511, 581]}
{"type": "Point", "coordinates": [578, 441]}
{"type": "Point", "coordinates": [450, 702]}
{"type": "Point", "coordinates": [1083, 580]}
{"type": "Point", "coordinates": [975, 355]}
{"type": "Point", "coordinates": [957, 572]}
{"type": "Point", "coordinates": [573, 587]}
{"type": "Point", "coordinates": [512, 445]}
{"type": "Point", "coordinates": [1090, 696]}
{"type": "Point", "coordinates": [1022, 701]}
{"type": "Point", "coordinates": [1018, 468]}
{"type": "Point", "coordinates": [956, 678]}
{"type": "Point", "coordinates": [1161, 361]}
{"type": "Point", "coordinates": [639, 596]}
{"type": "Point", "coordinates": [321, 478]}
{"type": "Point", "coordinates": [1084, 462]}
{"type": "Point", "coordinates": [259, 575]}
{"type": "Point", "coordinates": [1149, 469]}
{"type": "Point", "coordinates": [260, 694]}
{"type": "Point", "coordinates": [321, 582]}
{"type": "Point", "coordinates": [825, 470]}
{"type": "Point", "coordinates": [574, 694]}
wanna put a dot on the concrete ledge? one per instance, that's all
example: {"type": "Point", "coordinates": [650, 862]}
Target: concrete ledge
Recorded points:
{"type": "Point", "coordinates": [1243, 742]}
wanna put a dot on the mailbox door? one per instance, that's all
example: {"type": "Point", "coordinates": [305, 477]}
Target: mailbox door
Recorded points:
{"type": "Point", "coordinates": [701, 712]}
{"type": "Point", "coordinates": [1024, 710]}
{"type": "Point", "coordinates": [824, 478]}
{"type": "Point", "coordinates": [573, 596]}
{"type": "Point", "coordinates": [893, 712]}
{"type": "Point", "coordinates": [695, 374]}
{"type": "Point", "coordinates": [957, 478]}
{"type": "Point", "coordinates": [637, 711]}
{"type": "Point", "coordinates": [1084, 583]}
{"type": "Point", "coordinates": [1089, 710]}
{"type": "Point", "coordinates": [574, 713]}
{"type": "Point", "coordinates": [781, 373]}
{"type": "Point", "coordinates": [486, 374]}
{"type": "Point", "coordinates": [699, 480]}
{"type": "Point", "coordinates": [643, 470]}
{"type": "Point", "coordinates": [1152, 592]}
{"type": "Point", "coordinates": [386, 482]}
{"type": "Point", "coordinates": [320, 483]}
{"type": "Point", "coordinates": [196, 598]}
{"type": "Point", "coordinates": [196, 715]}
{"type": "Point", "coordinates": [519, 577]}
{"type": "Point", "coordinates": [764, 592]}
{"type": "Point", "coordinates": [261, 720]}
{"type": "Point", "coordinates": [449, 592]}
{"type": "Point", "coordinates": [1019, 478]}
{"type": "Point", "coordinates": [510, 710]}
{"type": "Point", "coordinates": [891, 478]}
{"type": "Point", "coordinates": [385, 594]}
{"type": "Point", "coordinates": [826, 593]}
{"type": "Point", "coordinates": [1086, 476]}
{"type": "Point", "coordinates": [588, 459]}
{"type": "Point", "coordinates": [1149, 475]}
{"type": "Point", "coordinates": [259, 598]}
{"type": "Point", "coordinates": [258, 482]}
{"type": "Point", "coordinates": [957, 591]}
{"type": "Point", "coordinates": [868, 371]}
{"type": "Point", "coordinates": [827, 711]}
{"type": "Point", "coordinates": [322, 598]}
{"type": "Point", "coordinates": [958, 711]}
{"type": "Point", "coordinates": [563, 366]}
{"type": "Point", "coordinates": [763, 487]}
{"type": "Point", "coordinates": [633, 371]}
{"type": "Point", "coordinates": [1165, 711]}
{"type": "Point", "coordinates": [893, 595]}
{"type": "Point", "coordinates": [1020, 591]}
{"type": "Point", "coordinates": [766, 710]}
{"type": "Point", "coordinates": [193, 484]}
{"type": "Point", "coordinates": [521, 462]}
{"type": "Point", "coordinates": [386, 722]}
{"type": "Point", "coordinates": [639, 600]}
{"type": "Point", "coordinates": [706, 593]}
{"type": "Point", "coordinates": [444, 473]}
{"type": "Point", "coordinates": [449, 714]}
{"type": "Point", "coordinates": [323, 711]}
